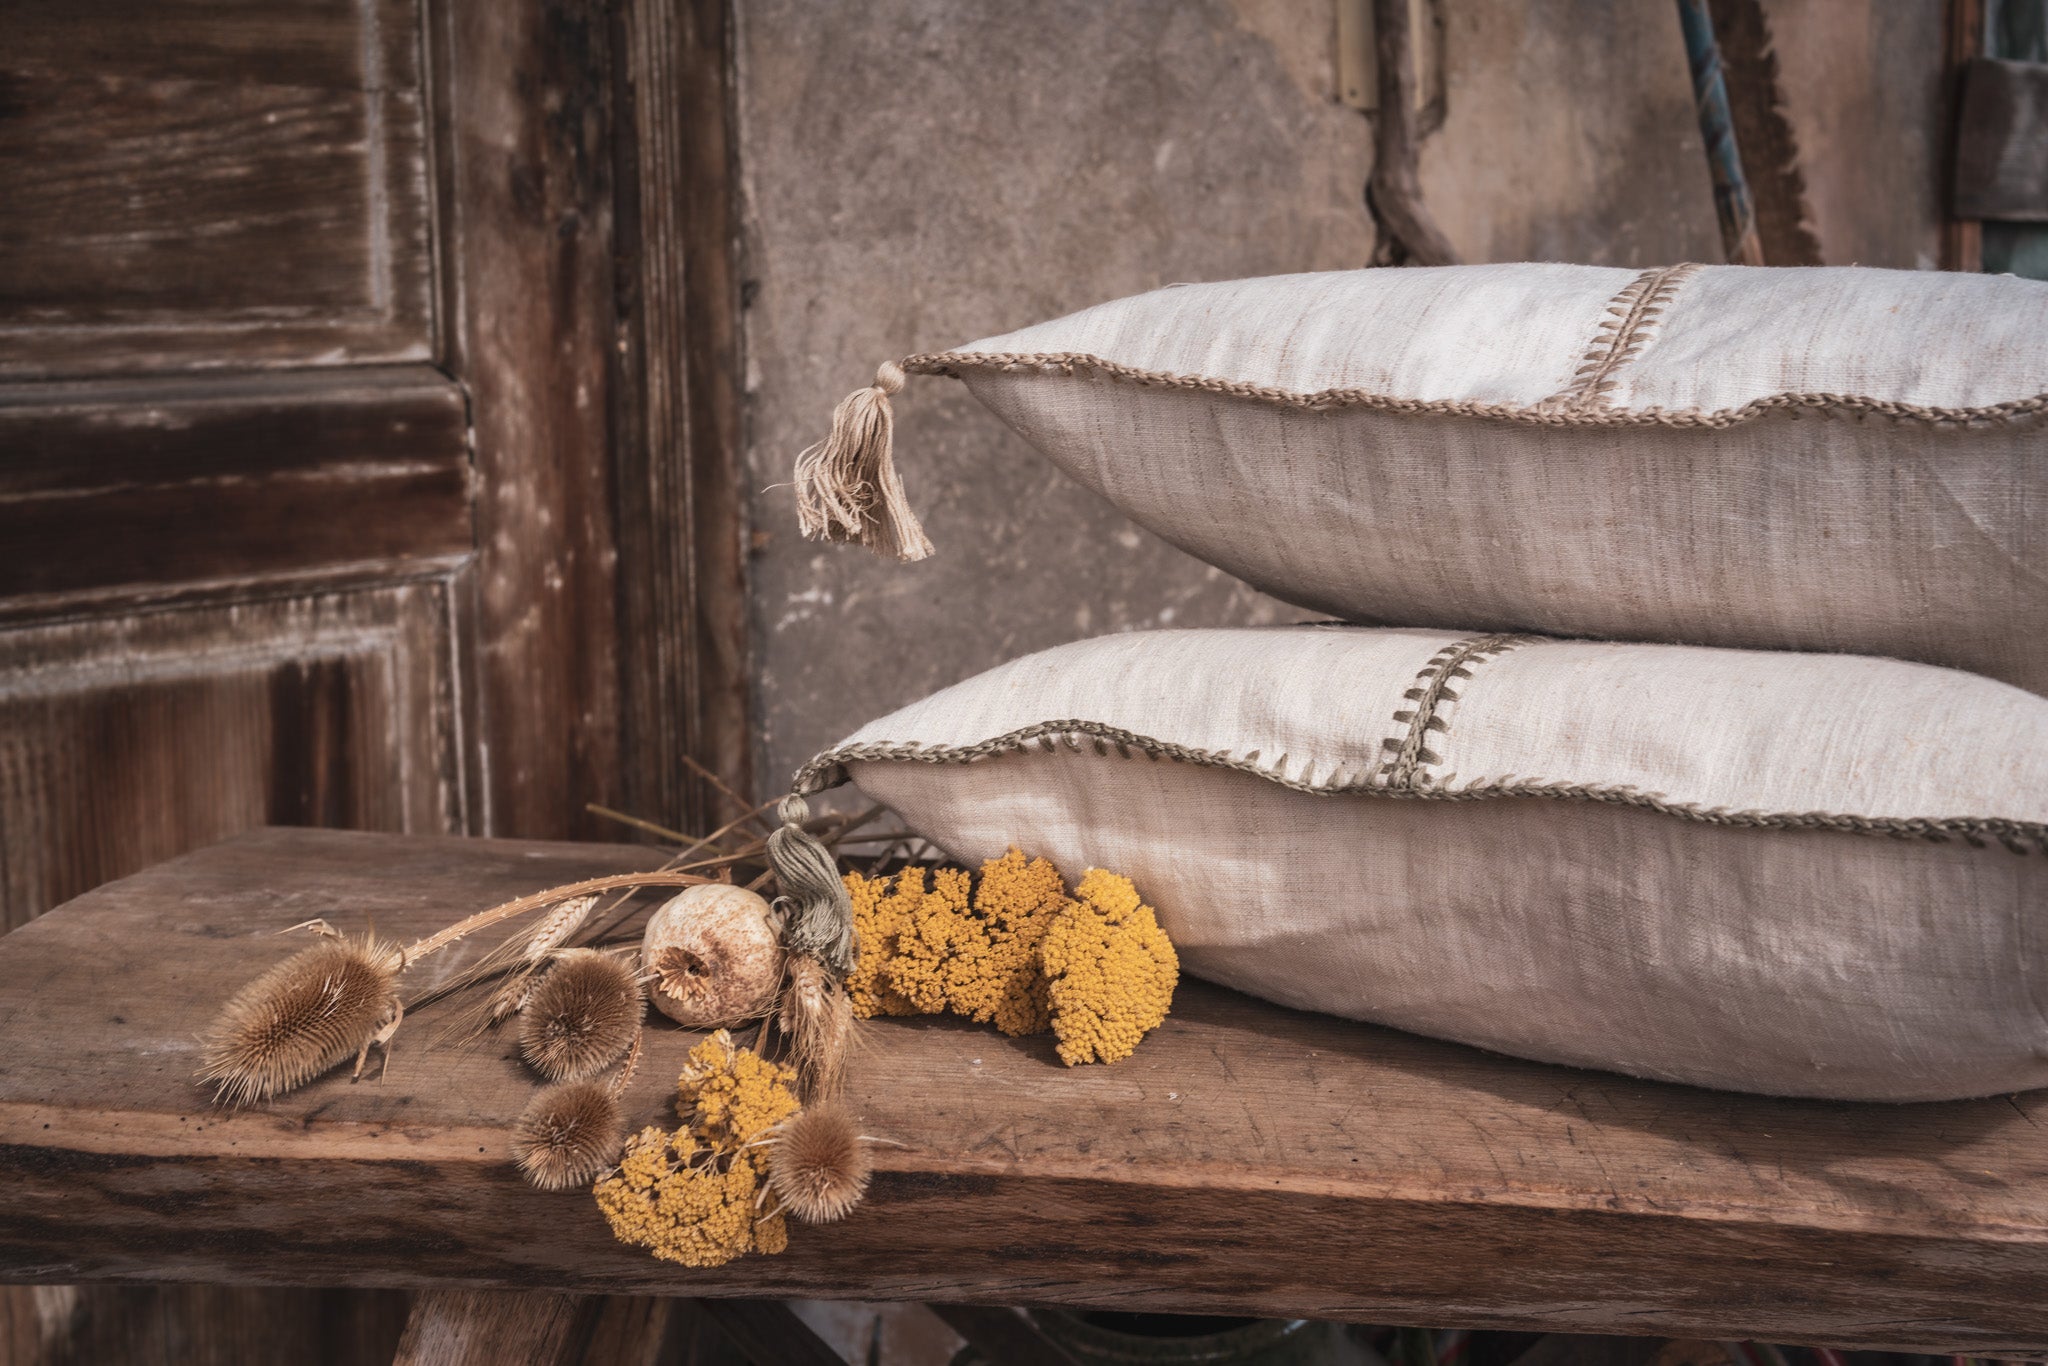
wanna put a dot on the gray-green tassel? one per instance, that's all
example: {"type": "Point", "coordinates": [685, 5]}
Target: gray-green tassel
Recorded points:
{"type": "Point", "coordinates": [820, 912]}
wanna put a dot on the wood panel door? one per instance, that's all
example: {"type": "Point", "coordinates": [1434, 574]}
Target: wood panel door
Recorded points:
{"type": "Point", "coordinates": [366, 459]}
{"type": "Point", "coordinates": [336, 375]}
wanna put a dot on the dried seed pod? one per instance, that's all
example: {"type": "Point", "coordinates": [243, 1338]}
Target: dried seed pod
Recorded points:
{"type": "Point", "coordinates": [817, 1165]}
{"type": "Point", "coordinates": [817, 1015]}
{"type": "Point", "coordinates": [304, 1016]}
{"type": "Point", "coordinates": [554, 929]}
{"type": "Point", "coordinates": [568, 1134]}
{"type": "Point", "coordinates": [715, 956]}
{"type": "Point", "coordinates": [581, 1017]}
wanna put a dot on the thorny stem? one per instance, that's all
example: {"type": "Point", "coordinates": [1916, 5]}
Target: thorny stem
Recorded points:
{"type": "Point", "coordinates": [631, 1065]}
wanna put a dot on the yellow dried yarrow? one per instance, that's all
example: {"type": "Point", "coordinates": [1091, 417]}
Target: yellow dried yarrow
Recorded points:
{"type": "Point", "coordinates": [693, 1195]}
{"type": "Point", "coordinates": [687, 1203]}
{"type": "Point", "coordinates": [1016, 901]}
{"type": "Point", "coordinates": [729, 1096]}
{"type": "Point", "coordinates": [883, 909]}
{"type": "Point", "coordinates": [978, 946]}
{"type": "Point", "coordinates": [1111, 971]}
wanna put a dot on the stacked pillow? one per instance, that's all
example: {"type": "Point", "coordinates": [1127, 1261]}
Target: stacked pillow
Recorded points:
{"type": "Point", "coordinates": [1809, 864]}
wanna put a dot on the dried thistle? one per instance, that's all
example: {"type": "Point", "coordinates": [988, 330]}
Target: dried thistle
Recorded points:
{"type": "Point", "coordinates": [569, 1134]}
{"type": "Point", "coordinates": [303, 1017]}
{"type": "Point", "coordinates": [817, 1016]}
{"type": "Point", "coordinates": [817, 1165]}
{"type": "Point", "coordinates": [583, 1015]}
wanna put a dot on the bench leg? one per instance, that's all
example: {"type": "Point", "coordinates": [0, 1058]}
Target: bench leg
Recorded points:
{"type": "Point", "coordinates": [488, 1327]}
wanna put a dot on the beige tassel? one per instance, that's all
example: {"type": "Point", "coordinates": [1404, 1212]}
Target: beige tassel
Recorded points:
{"type": "Point", "coordinates": [820, 910]}
{"type": "Point", "coordinates": [846, 485]}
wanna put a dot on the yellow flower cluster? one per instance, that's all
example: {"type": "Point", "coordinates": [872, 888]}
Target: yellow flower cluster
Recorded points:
{"type": "Point", "coordinates": [1013, 949]}
{"type": "Point", "coordinates": [1111, 971]}
{"type": "Point", "coordinates": [689, 1196]}
{"type": "Point", "coordinates": [730, 1095]}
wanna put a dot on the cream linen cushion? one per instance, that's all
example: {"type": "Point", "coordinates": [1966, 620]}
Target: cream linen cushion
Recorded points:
{"type": "Point", "coordinates": [1795, 874]}
{"type": "Point", "coordinates": [1822, 459]}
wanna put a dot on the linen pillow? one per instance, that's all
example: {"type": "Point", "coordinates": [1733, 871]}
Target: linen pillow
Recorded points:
{"type": "Point", "coordinates": [1668, 861]}
{"type": "Point", "coordinates": [1823, 459]}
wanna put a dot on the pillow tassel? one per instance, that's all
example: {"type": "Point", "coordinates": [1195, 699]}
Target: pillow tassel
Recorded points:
{"type": "Point", "coordinates": [846, 485]}
{"type": "Point", "coordinates": [820, 922]}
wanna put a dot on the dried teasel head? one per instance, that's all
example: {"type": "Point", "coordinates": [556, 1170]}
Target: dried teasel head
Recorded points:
{"type": "Point", "coordinates": [818, 1166]}
{"type": "Point", "coordinates": [304, 1016]}
{"type": "Point", "coordinates": [582, 1016]}
{"type": "Point", "coordinates": [568, 1134]}
{"type": "Point", "coordinates": [818, 1018]}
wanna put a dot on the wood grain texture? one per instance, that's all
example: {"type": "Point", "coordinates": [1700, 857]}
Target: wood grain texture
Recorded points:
{"type": "Point", "coordinates": [251, 190]}
{"type": "Point", "coordinates": [2002, 141]}
{"type": "Point", "coordinates": [126, 740]}
{"type": "Point", "coordinates": [1962, 34]}
{"type": "Point", "coordinates": [1248, 1159]}
{"type": "Point", "coordinates": [119, 484]}
{"type": "Point", "coordinates": [197, 1325]}
{"type": "Point", "coordinates": [524, 114]}
{"type": "Point", "coordinates": [681, 518]}
{"type": "Point", "coordinates": [483, 1328]}
{"type": "Point", "coordinates": [633, 1330]}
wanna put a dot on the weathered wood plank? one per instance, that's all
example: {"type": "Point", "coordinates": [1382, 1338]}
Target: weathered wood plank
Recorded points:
{"type": "Point", "coordinates": [685, 686]}
{"type": "Point", "coordinates": [126, 740]}
{"type": "Point", "coordinates": [1248, 1159]}
{"type": "Point", "coordinates": [535, 1328]}
{"type": "Point", "coordinates": [2002, 141]}
{"type": "Point", "coordinates": [197, 1325]}
{"type": "Point", "coordinates": [1962, 239]}
{"type": "Point", "coordinates": [117, 484]}
{"type": "Point", "coordinates": [483, 1327]}
{"type": "Point", "coordinates": [317, 43]}
{"type": "Point", "coordinates": [250, 190]}
{"type": "Point", "coordinates": [527, 168]}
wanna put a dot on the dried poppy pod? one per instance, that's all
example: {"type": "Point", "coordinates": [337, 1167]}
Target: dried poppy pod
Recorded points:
{"type": "Point", "coordinates": [582, 1016]}
{"type": "Point", "coordinates": [714, 956]}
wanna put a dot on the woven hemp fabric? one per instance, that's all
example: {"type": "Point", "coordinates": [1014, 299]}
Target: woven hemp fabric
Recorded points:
{"type": "Point", "coordinates": [1817, 459]}
{"type": "Point", "coordinates": [1796, 874]}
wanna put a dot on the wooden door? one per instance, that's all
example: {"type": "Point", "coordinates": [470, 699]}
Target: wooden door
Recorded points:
{"type": "Point", "coordinates": [366, 424]}
{"type": "Point", "coordinates": [333, 386]}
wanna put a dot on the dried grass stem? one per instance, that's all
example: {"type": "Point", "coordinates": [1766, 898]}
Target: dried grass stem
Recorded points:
{"type": "Point", "coordinates": [484, 919]}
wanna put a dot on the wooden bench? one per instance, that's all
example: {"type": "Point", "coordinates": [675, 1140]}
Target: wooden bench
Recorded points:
{"type": "Point", "coordinates": [1248, 1159]}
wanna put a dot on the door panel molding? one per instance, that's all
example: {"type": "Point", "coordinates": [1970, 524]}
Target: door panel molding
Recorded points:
{"type": "Point", "coordinates": [522, 100]}
{"type": "Point", "coordinates": [136, 484]}
{"type": "Point", "coordinates": [247, 188]}
{"type": "Point", "coordinates": [126, 740]}
{"type": "Point", "coordinates": [684, 682]}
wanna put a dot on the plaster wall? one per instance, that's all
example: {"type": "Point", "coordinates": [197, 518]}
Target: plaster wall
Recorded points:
{"type": "Point", "coordinates": [919, 173]}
